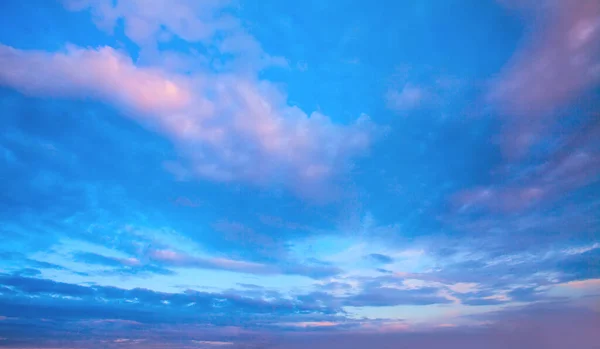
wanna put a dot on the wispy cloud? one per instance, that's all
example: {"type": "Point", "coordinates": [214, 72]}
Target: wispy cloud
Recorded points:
{"type": "Point", "coordinates": [556, 64]}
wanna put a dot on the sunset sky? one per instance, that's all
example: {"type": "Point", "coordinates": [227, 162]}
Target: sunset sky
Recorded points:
{"type": "Point", "coordinates": [300, 174]}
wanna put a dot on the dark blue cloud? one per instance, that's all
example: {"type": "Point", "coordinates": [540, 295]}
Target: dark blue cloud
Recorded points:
{"type": "Point", "coordinates": [71, 169]}
{"type": "Point", "coordinates": [94, 258]}
{"type": "Point", "coordinates": [141, 271]}
{"type": "Point", "coordinates": [581, 266]}
{"type": "Point", "coordinates": [385, 271]}
{"type": "Point", "coordinates": [121, 266]}
{"type": "Point", "coordinates": [482, 301]}
{"type": "Point", "coordinates": [250, 286]}
{"type": "Point", "coordinates": [500, 272]}
{"type": "Point", "coordinates": [17, 260]}
{"type": "Point", "coordinates": [183, 304]}
{"type": "Point", "coordinates": [525, 294]}
{"type": "Point", "coordinates": [43, 286]}
{"type": "Point", "coordinates": [28, 272]}
{"type": "Point", "coordinates": [386, 296]}
{"type": "Point", "coordinates": [380, 258]}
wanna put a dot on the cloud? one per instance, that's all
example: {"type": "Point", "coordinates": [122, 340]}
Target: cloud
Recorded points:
{"type": "Point", "coordinates": [420, 87]}
{"type": "Point", "coordinates": [548, 138]}
{"type": "Point", "coordinates": [43, 286]}
{"type": "Point", "coordinates": [146, 23]}
{"type": "Point", "coordinates": [385, 271]}
{"type": "Point", "coordinates": [179, 259]}
{"type": "Point", "coordinates": [30, 266]}
{"type": "Point", "coordinates": [585, 284]}
{"type": "Point", "coordinates": [513, 240]}
{"type": "Point", "coordinates": [559, 62]}
{"type": "Point", "coordinates": [503, 199]}
{"type": "Point", "coordinates": [227, 127]}
{"type": "Point", "coordinates": [387, 296]}
{"type": "Point", "coordinates": [94, 258]}
{"type": "Point", "coordinates": [407, 98]}
{"type": "Point", "coordinates": [551, 326]}
{"type": "Point", "coordinates": [213, 343]}
{"type": "Point", "coordinates": [140, 271]}
{"type": "Point", "coordinates": [265, 244]}
{"type": "Point", "coordinates": [484, 276]}
{"type": "Point", "coordinates": [28, 272]}
{"type": "Point", "coordinates": [532, 203]}
{"type": "Point", "coordinates": [308, 324]}
{"type": "Point", "coordinates": [581, 266]}
{"type": "Point", "coordinates": [527, 225]}
{"type": "Point", "coordinates": [108, 309]}
{"type": "Point", "coordinates": [476, 301]}
{"type": "Point", "coordinates": [104, 74]}
{"type": "Point", "coordinates": [211, 23]}
{"type": "Point", "coordinates": [186, 202]}
{"type": "Point", "coordinates": [173, 258]}
{"type": "Point", "coordinates": [227, 124]}
{"type": "Point", "coordinates": [573, 164]}
{"type": "Point", "coordinates": [525, 294]}
{"type": "Point", "coordinates": [250, 286]}
{"type": "Point", "coordinates": [380, 258]}
{"type": "Point", "coordinates": [103, 302]}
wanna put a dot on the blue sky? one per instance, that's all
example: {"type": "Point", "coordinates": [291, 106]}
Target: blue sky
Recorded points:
{"type": "Point", "coordinates": [275, 174]}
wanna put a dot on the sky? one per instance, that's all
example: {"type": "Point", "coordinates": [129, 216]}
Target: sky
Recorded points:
{"type": "Point", "coordinates": [291, 174]}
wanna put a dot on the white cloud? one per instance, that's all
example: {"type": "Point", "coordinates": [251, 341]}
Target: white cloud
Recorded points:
{"type": "Point", "coordinates": [213, 343]}
{"type": "Point", "coordinates": [409, 97]}
{"type": "Point", "coordinates": [227, 127]}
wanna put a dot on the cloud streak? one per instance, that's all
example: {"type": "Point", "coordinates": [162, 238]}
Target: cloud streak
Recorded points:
{"type": "Point", "coordinates": [559, 62]}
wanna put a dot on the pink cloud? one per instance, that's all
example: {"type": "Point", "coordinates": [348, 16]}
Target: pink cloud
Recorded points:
{"type": "Point", "coordinates": [309, 324]}
{"type": "Point", "coordinates": [564, 172]}
{"type": "Point", "coordinates": [556, 64]}
{"type": "Point", "coordinates": [174, 258]}
{"type": "Point", "coordinates": [213, 343]}
{"type": "Point", "coordinates": [572, 170]}
{"type": "Point", "coordinates": [104, 73]}
{"type": "Point", "coordinates": [591, 284]}
{"type": "Point", "coordinates": [245, 131]}
{"type": "Point", "coordinates": [446, 326]}
{"type": "Point", "coordinates": [167, 256]}
{"type": "Point", "coordinates": [211, 22]}
{"type": "Point", "coordinates": [180, 259]}
{"type": "Point", "coordinates": [574, 165]}
{"type": "Point", "coordinates": [130, 261]}
{"type": "Point", "coordinates": [383, 327]}
{"type": "Point", "coordinates": [519, 329]}
{"type": "Point", "coordinates": [148, 20]}
{"type": "Point", "coordinates": [503, 199]}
